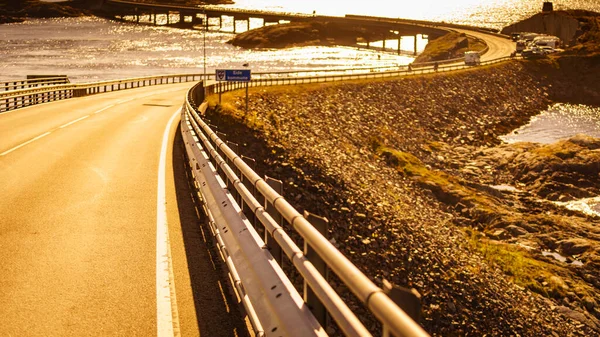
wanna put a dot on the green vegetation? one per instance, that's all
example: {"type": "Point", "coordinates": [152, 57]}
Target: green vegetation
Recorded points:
{"type": "Point", "coordinates": [524, 270]}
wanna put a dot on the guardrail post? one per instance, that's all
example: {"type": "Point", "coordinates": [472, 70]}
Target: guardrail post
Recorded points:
{"type": "Point", "coordinates": [272, 245]}
{"type": "Point", "coordinates": [316, 307]}
{"type": "Point", "coordinates": [250, 186]}
{"type": "Point", "coordinates": [408, 300]}
{"type": "Point", "coordinates": [235, 148]}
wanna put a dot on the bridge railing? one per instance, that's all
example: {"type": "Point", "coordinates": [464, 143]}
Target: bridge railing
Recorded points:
{"type": "Point", "coordinates": [20, 98]}
{"type": "Point", "coordinates": [219, 170]}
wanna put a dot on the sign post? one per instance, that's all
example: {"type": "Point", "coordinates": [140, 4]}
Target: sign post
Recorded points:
{"type": "Point", "coordinates": [234, 75]}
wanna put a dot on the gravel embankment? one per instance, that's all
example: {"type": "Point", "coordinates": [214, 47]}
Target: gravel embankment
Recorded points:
{"type": "Point", "coordinates": [322, 142]}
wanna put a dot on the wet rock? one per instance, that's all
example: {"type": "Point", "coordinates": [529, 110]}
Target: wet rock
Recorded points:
{"type": "Point", "coordinates": [516, 230]}
{"type": "Point", "coordinates": [574, 246]}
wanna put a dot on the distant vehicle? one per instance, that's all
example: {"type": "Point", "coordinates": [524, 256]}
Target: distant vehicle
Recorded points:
{"type": "Point", "coordinates": [521, 45]}
{"type": "Point", "coordinates": [533, 53]}
{"type": "Point", "coordinates": [549, 50]}
{"type": "Point", "coordinates": [515, 36]}
{"type": "Point", "coordinates": [472, 58]}
{"type": "Point", "coordinates": [528, 37]}
{"type": "Point", "coordinates": [546, 40]}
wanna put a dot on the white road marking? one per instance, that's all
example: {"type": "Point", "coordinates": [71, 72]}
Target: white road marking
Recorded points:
{"type": "Point", "coordinates": [73, 122]}
{"type": "Point", "coordinates": [79, 119]}
{"type": "Point", "coordinates": [27, 142]}
{"type": "Point", "coordinates": [166, 306]}
{"type": "Point", "coordinates": [108, 107]}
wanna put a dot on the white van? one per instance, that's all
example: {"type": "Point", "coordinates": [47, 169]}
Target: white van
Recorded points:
{"type": "Point", "coordinates": [472, 58]}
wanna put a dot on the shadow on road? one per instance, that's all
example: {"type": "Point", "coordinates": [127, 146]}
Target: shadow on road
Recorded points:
{"type": "Point", "coordinates": [217, 308]}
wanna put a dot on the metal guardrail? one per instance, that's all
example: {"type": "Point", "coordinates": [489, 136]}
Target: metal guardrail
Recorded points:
{"type": "Point", "coordinates": [416, 69]}
{"type": "Point", "coordinates": [212, 158]}
{"type": "Point", "coordinates": [15, 99]}
{"type": "Point", "coordinates": [219, 170]}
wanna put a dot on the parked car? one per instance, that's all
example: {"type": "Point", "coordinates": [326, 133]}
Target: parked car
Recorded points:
{"type": "Point", "coordinates": [533, 53]}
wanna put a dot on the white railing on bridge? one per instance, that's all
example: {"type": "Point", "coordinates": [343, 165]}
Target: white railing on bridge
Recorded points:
{"type": "Point", "coordinates": [20, 98]}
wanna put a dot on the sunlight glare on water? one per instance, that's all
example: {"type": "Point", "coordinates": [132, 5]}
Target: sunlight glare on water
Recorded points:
{"type": "Point", "coordinates": [487, 13]}
{"type": "Point", "coordinates": [88, 49]}
{"type": "Point", "coordinates": [560, 121]}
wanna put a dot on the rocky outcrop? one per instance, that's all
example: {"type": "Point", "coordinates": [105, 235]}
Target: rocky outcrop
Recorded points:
{"type": "Point", "coordinates": [563, 171]}
{"type": "Point", "coordinates": [573, 27]}
{"type": "Point", "coordinates": [558, 23]}
{"type": "Point", "coordinates": [449, 46]}
{"type": "Point", "coordinates": [16, 11]}
{"type": "Point", "coordinates": [303, 34]}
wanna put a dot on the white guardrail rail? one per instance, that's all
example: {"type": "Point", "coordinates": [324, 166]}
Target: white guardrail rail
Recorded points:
{"type": "Point", "coordinates": [232, 194]}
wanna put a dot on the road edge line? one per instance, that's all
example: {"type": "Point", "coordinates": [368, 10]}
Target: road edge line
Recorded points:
{"type": "Point", "coordinates": [166, 308]}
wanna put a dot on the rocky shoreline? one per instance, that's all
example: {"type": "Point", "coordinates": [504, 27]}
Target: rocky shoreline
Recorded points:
{"type": "Point", "coordinates": [13, 12]}
{"type": "Point", "coordinates": [310, 33]}
{"type": "Point", "coordinates": [403, 168]}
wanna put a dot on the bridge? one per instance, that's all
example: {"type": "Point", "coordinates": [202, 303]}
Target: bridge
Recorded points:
{"type": "Point", "coordinates": [190, 17]}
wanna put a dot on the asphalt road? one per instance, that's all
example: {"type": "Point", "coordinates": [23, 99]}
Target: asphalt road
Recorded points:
{"type": "Point", "coordinates": [81, 223]}
{"type": "Point", "coordinates": [498, 46]}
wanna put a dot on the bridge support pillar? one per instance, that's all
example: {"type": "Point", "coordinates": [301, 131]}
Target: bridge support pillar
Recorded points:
{"type": "Point", "coordinates": [168, 15]}
{"type": "Point", "coordinates": [399, 44]}
{"type": "Point", "coordinates": [415, 50]}
{"type": "Point", "coordinates": [384, 43]}
{"type": "Point", "coordinates": [248, 24]}
{"type": "Point", "coordinates": [234, 30]}
{"type": "Point", "coordinates": [196, 20]}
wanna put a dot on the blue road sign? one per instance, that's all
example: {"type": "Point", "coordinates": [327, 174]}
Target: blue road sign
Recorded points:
{"type": "Point", "coordinates": [237, 75]}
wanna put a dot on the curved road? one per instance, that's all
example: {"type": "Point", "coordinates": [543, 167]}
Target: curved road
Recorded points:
{"type": "Point", "coordinates": [84, 250]}
{"type": "Point", "coordinates": [499, 46]}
